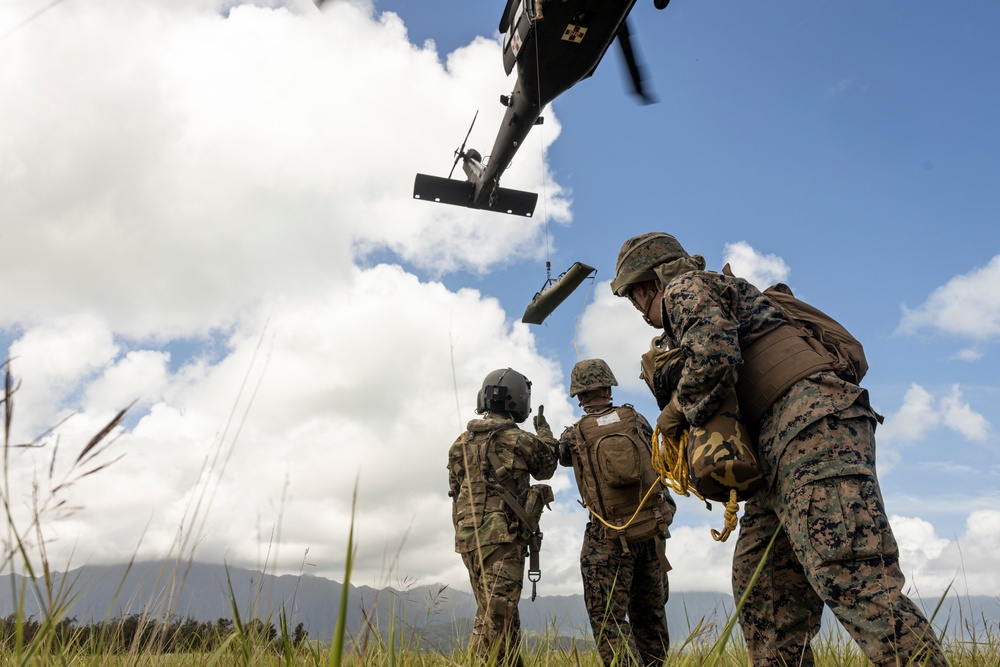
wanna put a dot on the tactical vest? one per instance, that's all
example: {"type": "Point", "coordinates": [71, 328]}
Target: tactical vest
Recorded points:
{"type": "Point", "coordinates": [812, 342]}
{"type": "Point", "coordinates": [614, 471]}
{"type": "Point", "coordinates": [475, 497]}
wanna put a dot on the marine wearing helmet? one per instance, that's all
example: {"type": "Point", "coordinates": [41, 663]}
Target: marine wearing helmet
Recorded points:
{"type": "Point", "coordinates": [505, 390]}
{"type": "Point", "coordinates": [590, 374]}
{"type": "Point", "coordinates": [646, 263]}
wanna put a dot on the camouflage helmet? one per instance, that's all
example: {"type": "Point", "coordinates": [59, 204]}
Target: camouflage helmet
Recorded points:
{"type": "Point", "coordinates": [590, 374]}
{"type": "Point", "coordinates": [639, 256]}
{"type": "Point", "coordinates": [505, 390]}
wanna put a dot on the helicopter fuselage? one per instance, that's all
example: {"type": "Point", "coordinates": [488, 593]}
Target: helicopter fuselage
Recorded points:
{"type": "Point", "coordinates": [553, 52]}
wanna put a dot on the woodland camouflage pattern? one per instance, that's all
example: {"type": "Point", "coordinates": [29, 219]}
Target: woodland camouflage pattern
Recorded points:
{"type": "Point", "coordinates": [496, 566]}
{"type": "Point", "coordinates": [722, 456]}
{"type": "Point", "coordinates": [817, 454]}
{"type": "Point", "coordinates": [625, 593]}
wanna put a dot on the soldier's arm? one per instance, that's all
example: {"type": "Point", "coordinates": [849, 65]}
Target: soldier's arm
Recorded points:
{"type": "Point", "coordinates": [455, 468]}
{"type": "Point", "coordinates": [539, 453]}
{"type": "Point", "coordinates": [710, 339]}
{"type": "Point", "coordinates": [567, 443]}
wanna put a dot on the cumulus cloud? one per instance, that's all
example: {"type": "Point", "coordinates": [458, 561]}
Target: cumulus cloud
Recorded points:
{"type": "Point", "coordinates": [179, 173]}
{"type": "Point", "coordinates": [197, 201]}
{"type": "Point", "coordinates": [921, 413]}
{"type": "Point", "coordinates": [933, 564]}
{"type": "Point", "coordinates": [192, 161]}
{"type": "Point", "coordinates": [967, 306]}
{"type": "Point", "coordinates": [612, 329]}
{"type": "Point", "coordinates": [759, 269]}
{"type": "Point", "coordinates": [306, 404]}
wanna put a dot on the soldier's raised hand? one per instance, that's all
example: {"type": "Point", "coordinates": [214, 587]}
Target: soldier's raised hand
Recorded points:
{"type": "Point", "coordinates": [539, 419]}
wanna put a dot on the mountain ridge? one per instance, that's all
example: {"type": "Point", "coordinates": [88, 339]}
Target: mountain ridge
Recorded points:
{"type": "Point", "coordinates": [207, 592]}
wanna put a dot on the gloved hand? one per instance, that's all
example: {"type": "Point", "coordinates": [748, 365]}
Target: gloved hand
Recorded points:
{"type": "Point", "coordinates": [672, 422]}
{"type": "Point", "coordinates": [565, 452]}
{"type": "Point", "coordinates": [539, 419]}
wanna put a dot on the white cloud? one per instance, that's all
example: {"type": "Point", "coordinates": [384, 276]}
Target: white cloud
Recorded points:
{"type": "Point", "coordinates": [966, 564]}
{"type": "Point", "coordinates": [919, 418]}
{"type": "Point", "coordinates": [168, 172]}
{"type": "Point", "coordinates": [958, 415]}
{"type": "Point", "coordinates": [369, 383]}
{"type": "Point", "coordinates": [172, 172]}
{"type": "Point", "coordinates": [915, 418]}
{"type": "Point", "coordinates": [612, 329]}
{"type": "Point", "coordinates": [187, 165]}
{"type": "Point", "coordinates": [970, 354]}
{"type": "Point", "coordinates": [759, 269]}
{"type": "Point", "coordinates": [967, 306]}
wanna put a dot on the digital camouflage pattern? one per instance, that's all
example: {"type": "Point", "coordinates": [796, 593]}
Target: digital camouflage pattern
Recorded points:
{"type": "Point", "coordinates": [836, 548]}
{"type": "Point", "coordinates": [590, 374]}
{"type": "Point", "coordinates": [626, 596]}
{"type": "Point", "coordinates": [487, 533]}
{"type": "Point", "coordinates": [712, 317]}
{"type": "Point", "coordinates": [625, 589]}
{"type": "Point", "coordinates": [639, 256]}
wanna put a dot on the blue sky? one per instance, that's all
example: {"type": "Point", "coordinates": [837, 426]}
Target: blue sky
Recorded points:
{"type": "Point", "coordinates": [209, 212]}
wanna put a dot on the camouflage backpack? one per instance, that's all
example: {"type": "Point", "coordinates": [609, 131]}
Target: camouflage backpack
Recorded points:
{"type": "Point", "coordinates": [849, 362]}
{"type": "Point", "coordinates": [614, 471]}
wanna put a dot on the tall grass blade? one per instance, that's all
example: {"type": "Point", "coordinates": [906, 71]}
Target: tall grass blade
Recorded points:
{"type": "Point", "coordinates": [337, 647]}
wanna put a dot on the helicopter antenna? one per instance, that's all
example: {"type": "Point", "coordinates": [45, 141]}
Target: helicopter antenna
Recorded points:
{"type": "Point", "coordinates": [460, 151]}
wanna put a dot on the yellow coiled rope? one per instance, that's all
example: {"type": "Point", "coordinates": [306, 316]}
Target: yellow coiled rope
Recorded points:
{"type": "Point", "coordinates": [671, 464]}
{"type": "Point", "coordinates": [637, 509]}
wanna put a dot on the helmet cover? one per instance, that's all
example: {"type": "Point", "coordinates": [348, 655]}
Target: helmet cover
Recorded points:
{"type": "Point", "coordinates": [590, 374]}
{"type": "Point", "coordinates": [640, 255]}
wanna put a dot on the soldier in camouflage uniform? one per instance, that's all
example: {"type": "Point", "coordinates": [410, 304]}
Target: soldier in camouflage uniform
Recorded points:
{"type": "Point", "coordinates": [625, 583]}
{"type": "Point", "coordinates": [816, 444]}
{"type": "Point", "coordinates": [492, 457]}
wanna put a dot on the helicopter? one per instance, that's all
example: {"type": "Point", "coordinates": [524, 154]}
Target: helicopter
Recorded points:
{"type": "Point", "coordinates": [554, 45]}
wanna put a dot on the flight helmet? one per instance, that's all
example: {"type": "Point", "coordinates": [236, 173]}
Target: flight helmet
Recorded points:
{"type": "Point", "coordinates": [505, 390]}
{"type": "Point", "coordinates": [590, 374]}
{"type": "Point", "coordinates": [639, 256]}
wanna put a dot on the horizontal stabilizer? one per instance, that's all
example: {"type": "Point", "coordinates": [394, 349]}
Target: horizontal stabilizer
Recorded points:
{"type": "Point", "coordinates": [551, 296]}
{"type": "Point", "coordinates": [462, 193]}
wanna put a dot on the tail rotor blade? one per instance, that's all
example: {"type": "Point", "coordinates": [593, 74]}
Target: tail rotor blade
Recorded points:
{"type": "Point", "coordinates": [460, 153]}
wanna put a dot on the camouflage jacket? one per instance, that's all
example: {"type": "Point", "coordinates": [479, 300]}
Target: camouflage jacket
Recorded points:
{"type": "Point", "coordinates": [712, 318]}
{"type": "Point", "coordinates": [476, 504]}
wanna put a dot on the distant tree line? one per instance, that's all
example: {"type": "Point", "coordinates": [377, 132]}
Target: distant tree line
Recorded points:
{"type": "Point", "coordinates": [135, 633]}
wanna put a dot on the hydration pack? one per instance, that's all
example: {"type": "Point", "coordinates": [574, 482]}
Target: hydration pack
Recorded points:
{"type": "Point", "coordinates": [849, 362]}
{"type": "Point", "coordinates": [614, 472]}
{"type": "Point", "coordinates": [774, 362]}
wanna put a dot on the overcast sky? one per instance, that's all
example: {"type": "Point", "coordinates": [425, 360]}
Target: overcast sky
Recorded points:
{"type": "Point", "coordinates": [205, 209]}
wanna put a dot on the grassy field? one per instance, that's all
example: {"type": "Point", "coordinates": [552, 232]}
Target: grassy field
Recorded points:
{"type": "Point", "coordinates": [146, 639]}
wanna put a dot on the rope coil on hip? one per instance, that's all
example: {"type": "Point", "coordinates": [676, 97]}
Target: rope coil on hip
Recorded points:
{"type": "Point", "coordinates": [671, 463]}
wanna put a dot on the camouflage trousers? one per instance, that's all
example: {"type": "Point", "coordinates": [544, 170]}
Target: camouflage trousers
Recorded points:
{"type": "Point", "coordinates": [625, 596]}
{"type": "Point", "coordinates": [834, 546]}
{"type": "Point", "coordinates": [496, 582]}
